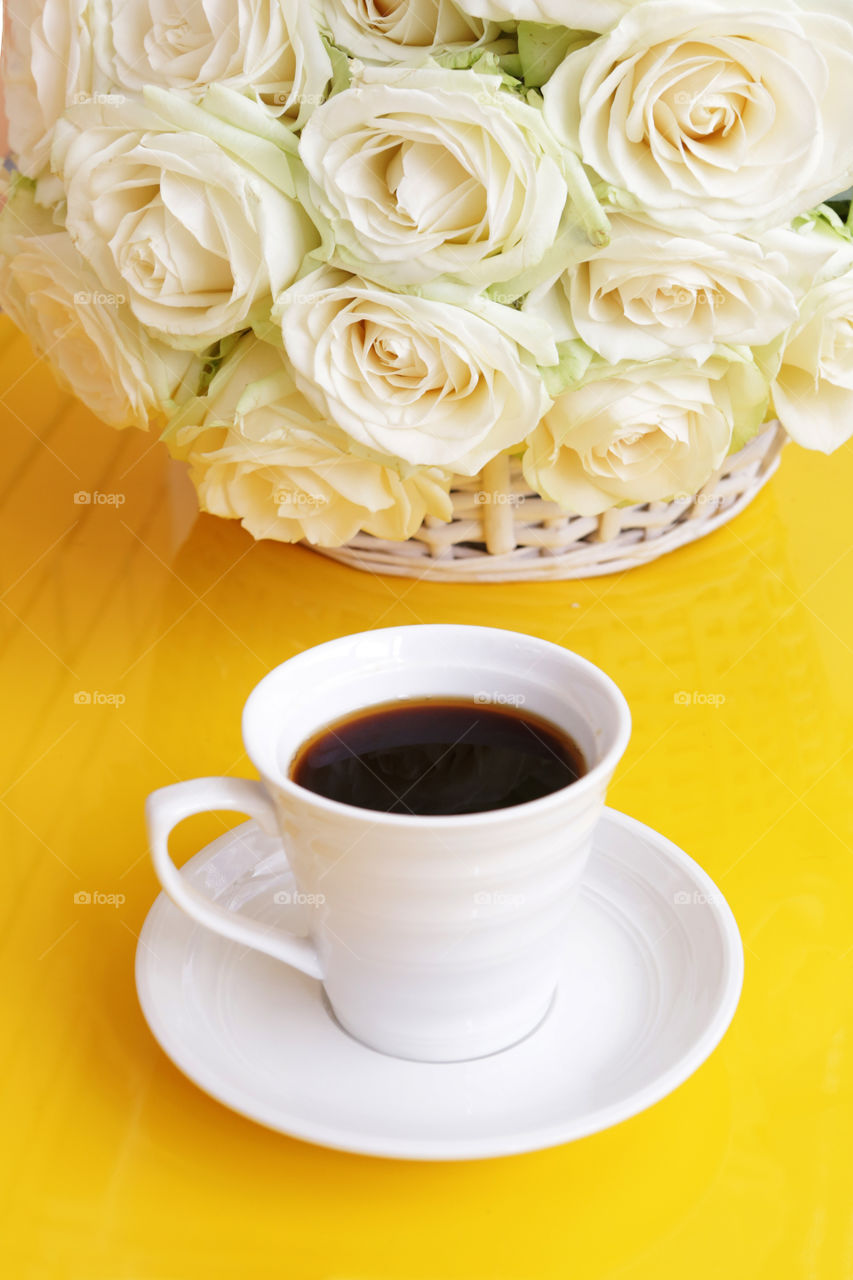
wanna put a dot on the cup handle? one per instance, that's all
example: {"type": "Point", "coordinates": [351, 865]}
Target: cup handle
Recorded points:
{"type": "Point", "coordinates": [165, 808]}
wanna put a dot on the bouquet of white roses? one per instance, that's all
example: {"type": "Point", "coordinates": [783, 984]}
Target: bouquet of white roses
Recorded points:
{"type": "Point", "coordinates": [342, 251]}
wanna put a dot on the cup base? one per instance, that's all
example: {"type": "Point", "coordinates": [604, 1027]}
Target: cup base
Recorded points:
{"type": "Point", "coordinates": [443, 1051]}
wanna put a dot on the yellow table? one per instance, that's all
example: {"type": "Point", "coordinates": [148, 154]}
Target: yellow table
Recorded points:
{"type": "Point", "coordinates": [116, 1168]}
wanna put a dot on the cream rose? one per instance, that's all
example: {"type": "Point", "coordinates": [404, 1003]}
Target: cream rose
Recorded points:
{"type": "Point", "coordinates": [813, 388]}
{"type": "Point", "coordinates": [422, 380]}
{"type": "Point", "coordinates": [271, 48]}
{"type": "Point", "coordinates": [259, 454]}
{"type": "Point", "coordinates": [429, 172]}
{"type": "Point", "coordinates": [95, 346]}
{"type": "Point", "coordinates": [193, 219]}
{"type": "Point", "coordinates": [48, 65]}
{"type": "Point", "coordinates": [722, 117]}
{"type": "Point", "coordinates": [644, 436]}
{"type": "Point", "coordinates": [650, 294]}
{"type": "Point", "coordinates": [580, 15]}
{"type": "Point", "coordinates": [400, 30]}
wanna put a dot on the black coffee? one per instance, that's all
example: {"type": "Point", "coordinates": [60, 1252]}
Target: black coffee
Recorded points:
{"type": "Point", "coordinates": [438, 756]}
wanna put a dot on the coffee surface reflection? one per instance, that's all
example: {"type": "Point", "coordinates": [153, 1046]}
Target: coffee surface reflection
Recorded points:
{"type": "Point", "coordinates": [438, 756]}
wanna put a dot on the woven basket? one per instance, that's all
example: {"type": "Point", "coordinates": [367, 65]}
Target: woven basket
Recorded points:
{"type": "Point", "coordinates": [503, 532]}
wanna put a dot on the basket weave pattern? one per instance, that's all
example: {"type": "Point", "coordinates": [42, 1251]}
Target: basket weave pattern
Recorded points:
{"type": "Point", "coordinates": [501, 531]}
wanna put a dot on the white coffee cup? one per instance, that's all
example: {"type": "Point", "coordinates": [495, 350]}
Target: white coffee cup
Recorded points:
{"type": "Point", "coordinates": [436, 938]}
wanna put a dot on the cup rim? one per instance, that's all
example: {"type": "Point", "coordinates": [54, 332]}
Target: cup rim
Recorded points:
{"type": "Point", "coordinates": [285, 785]}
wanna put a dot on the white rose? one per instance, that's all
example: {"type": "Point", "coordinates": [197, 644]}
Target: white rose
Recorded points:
{"type": "Point", "coordinates": [813, 388]}
{"type": "Point", "coordinates": [400, 30]}
{"type": "Point", "coordinates": [430, 172]}
{"type": "Point", "coordinates": [814, 248]}
{"type": "Point", "coordinates": [48, 65]}
{"type": "Point", "coordinates": [650, 294]}
{"type": "Point", "coordinates": [94, 344]}
{"type": "Point", "coordinates": [420, 380]}
{"type": "Point", "coordinates": [258, 454]}
{"type": "Point", "coordinates": [644, 436]}
{"type": "Point", "coordinates": [579, 15]}
{"type": "Point", "coordinates": [187, 215]}
{"type": "Point", "coordinates": [716, 117]}
{"type": "Point", "coordinates": [270, 47]}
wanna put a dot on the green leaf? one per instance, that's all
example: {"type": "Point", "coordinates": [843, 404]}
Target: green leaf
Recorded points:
{"type": "Point", "coordinates": [212, 359]}
{"type": "Point", "coordinates": [542, 48]}
{"type": "Point", "coordinates": [511, 65]}
{"type": "Point", "coordinates": [20, 182]}
{"type": "Point", "coordinates": [467, 60]}
{"type": "Point", "coordinates": [341, 74]}
{"type": "Point", "coordinates": [484, 62]}
{"type": "Point", "coordinates": [575, 359]}
{"type": "Point", "coordinates": [825, 215]}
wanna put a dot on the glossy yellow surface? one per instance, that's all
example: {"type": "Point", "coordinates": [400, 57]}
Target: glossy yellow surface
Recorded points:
{"type": "Point", "coordinates": [116, 1168]}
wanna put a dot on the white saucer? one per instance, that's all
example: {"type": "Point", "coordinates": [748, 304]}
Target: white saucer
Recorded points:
{"type": "Point", "coordinates": [653, 973]}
